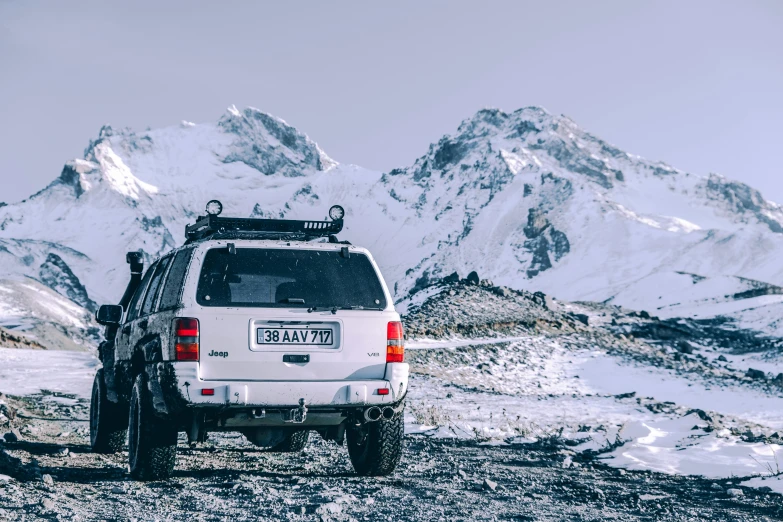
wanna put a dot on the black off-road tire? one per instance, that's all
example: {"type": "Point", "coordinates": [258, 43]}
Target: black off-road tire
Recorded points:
{"type": "Point", "coordinates": [108, 421]}
{"type": "Point", "coordinates": [152, 442]}
{"type": "Point", "coordinates": [376, 448]}
{"type": "Point", "coordinates": [293, 443]}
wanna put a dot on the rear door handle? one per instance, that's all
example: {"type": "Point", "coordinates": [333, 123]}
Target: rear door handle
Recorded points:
{"type": "Point", "coordinates": [143, 324]}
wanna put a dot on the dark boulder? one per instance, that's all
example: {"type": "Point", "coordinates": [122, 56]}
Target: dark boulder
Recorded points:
{"type": "Point", "coordinates": [703, 415]}
{"type": "Point", "coordinates": [582, 318]}
{"type": "Point", "coordinates": [502, 291]}
{"type": "Point", "coordinates": [451, 278]}
{"type": "Point", "coordinates": [541, 299]}
{"type": "Point", "coordinates": [685, 347]}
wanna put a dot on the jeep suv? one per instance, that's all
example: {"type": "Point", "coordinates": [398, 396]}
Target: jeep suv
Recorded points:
{"type": "Point", "coordinates": [272, 328]}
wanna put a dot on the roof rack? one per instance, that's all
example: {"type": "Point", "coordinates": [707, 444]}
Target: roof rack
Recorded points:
{"type": "Point", "coordinates": [214, 227]}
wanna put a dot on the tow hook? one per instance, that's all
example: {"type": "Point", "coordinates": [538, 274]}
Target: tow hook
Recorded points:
{"type": "Point", "coordinates": [298, 415]}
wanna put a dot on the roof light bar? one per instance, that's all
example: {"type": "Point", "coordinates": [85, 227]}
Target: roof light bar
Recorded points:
{"type": "Point", "coordinates": [215, 227]}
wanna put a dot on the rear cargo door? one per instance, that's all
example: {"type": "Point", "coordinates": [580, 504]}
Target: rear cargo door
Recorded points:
{"type": "Point", "coordinates": [294, 345]}
{"type": "Point", "coordinates": [288, 315]}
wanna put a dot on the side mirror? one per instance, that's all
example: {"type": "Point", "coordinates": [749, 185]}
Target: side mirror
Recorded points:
{"type": "Point", "coordinates": [109, 314]}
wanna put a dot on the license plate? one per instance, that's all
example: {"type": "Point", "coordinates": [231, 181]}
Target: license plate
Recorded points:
{"type": "Point", "coordinates": [309, 336]}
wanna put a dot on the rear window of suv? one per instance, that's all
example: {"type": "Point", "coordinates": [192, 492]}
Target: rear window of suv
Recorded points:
{"type": "Point", "coordinates": [256, 277]}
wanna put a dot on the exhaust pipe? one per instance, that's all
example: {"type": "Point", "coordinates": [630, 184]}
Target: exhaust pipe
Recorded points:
{"type": "Point", "coordinates": [372, 414]}
{"type": "Point", "coordinates": [388, 412]}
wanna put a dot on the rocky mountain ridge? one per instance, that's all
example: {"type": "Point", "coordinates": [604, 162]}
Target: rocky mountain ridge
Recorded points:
{"type": "Point", "coordinates": [525, 198]}
{"type": "Point", "coordinates": [470, 308]}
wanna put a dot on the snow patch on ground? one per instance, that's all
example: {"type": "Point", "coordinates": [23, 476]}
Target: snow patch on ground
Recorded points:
{"type": "Point", "coordinates": [430, 344]}
{"type": "Point", "coordinates": [681, 446]}
{"type": "Point", "coordinates": [590, 398]}
{"type": "Point", "coordinates": [773, 482]}
{"type": "Point", "coordinates": [24, 372]}
{"type": "Point", "coordinates": [607, 375]}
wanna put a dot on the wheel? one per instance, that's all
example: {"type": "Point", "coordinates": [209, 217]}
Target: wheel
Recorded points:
{"type": "Point", "coordinates": [108, 426]}
{"type": "Point", "coordinates": [152, 442]}
{"type": "Point", "coordinates": [376, 447]}
{"type": "Point", "coordinates": [293, 443]}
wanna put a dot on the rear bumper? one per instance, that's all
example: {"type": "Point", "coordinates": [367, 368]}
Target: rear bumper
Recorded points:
{"type": "Point", "coordinates": [184, 376]}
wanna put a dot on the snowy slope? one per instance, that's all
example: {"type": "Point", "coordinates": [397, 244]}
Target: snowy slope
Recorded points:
{"type": "Point", "coordinates": [32, 310]}
{"type": "Point", "coordinates": [538, 203]}
{"type": "Point", "coordinates": [138, 191]}
{"type": "Point", "coordinates": [527, 199]}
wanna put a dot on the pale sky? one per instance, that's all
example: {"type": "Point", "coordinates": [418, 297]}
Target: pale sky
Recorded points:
{"type": "Point", "coordinates": [698, 84]}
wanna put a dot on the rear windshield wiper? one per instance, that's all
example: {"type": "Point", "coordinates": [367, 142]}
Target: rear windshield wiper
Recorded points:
{"type": "Point", "coordinates": [334, 309]}
{"type": "Point", "coordinates": [292, 300]}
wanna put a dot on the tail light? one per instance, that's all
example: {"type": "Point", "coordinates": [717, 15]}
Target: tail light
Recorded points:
{"type": "Point", "coordinates": [395, 345]}
{"type": "Point", "coordinates": [186, 338]}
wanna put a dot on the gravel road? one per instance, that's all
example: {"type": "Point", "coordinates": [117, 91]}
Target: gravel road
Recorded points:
{"type": "Point", "coordinates": [439, 479]}
{"type": "Point", "coordinates": [49, 473]}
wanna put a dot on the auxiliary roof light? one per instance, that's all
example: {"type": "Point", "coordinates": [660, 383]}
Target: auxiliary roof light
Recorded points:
{"type": "Point", "coordinates": [214, 208]}
{"type": "Point", "coordinates": [336, 213]}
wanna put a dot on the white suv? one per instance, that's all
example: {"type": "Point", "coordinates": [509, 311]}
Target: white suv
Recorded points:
{"type": "Point", "coordinates": [272, 328]}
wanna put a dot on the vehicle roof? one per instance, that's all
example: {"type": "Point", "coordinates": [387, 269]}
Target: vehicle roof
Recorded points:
{"type": "Point", "coordinates": [325, 245]}
{"type": "Point", "coordinates": [287, 244]}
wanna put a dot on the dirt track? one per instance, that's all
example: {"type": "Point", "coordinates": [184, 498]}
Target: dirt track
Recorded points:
{"type": "Point", "coordinates": [438, 480]}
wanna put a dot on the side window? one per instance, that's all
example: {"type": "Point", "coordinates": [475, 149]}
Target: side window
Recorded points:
{"type": "Point", "coordinates": [135, 303]}
{"type": "Point", "coordinates": [172, 289]}
{"type": "Point", "coordinates": [152, 293]}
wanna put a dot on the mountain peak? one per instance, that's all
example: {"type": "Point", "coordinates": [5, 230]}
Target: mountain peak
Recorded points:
{"type": "Point", "coordinates": [492, 122]}
{"type": "Point", "coordinates": [256, 132]}
{"type": "Point", "coordinates": [483, 120]}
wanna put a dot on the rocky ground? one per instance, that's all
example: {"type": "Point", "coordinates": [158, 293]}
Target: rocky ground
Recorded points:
{"type": "Point", "coordinates": [10, 339]}
{"type": "Point", "coordinates": [57, 478]}
{"type": "Point", "coordinates": [531, 471]}
{"type": "Point", "coordinates": [473, 308]}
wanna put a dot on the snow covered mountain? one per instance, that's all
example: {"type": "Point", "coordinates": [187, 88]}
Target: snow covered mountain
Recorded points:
{"type": "Point", "coordinates": [137, 191]}
{"type": "Point", "coordinates": [527, 199]}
